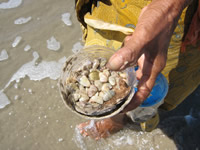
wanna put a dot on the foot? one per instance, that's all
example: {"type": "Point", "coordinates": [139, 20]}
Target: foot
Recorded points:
{"type": "Point", "coordinates": [101, 128]}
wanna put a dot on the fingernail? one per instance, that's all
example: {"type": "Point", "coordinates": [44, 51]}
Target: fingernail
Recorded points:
{"type": "Point", "coordinates": [115, 63]}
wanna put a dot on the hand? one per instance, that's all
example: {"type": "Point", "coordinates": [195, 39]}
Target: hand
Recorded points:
{"type": "Point", "coordinates": [148, 45]}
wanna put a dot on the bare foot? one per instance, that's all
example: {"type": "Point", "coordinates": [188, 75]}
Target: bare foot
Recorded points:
{"type": "Point", "coordinates": [101, 128]}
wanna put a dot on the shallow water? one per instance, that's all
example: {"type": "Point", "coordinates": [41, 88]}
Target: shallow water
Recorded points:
{"type": "Point", "coordinates": [33, 115]}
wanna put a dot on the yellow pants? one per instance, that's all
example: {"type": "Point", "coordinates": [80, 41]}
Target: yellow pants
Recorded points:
{"type": "Point", "coordinates": [106, 23]}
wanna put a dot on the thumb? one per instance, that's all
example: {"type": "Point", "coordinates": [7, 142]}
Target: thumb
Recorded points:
{"type": "Point", "coordinates": [126, 56]}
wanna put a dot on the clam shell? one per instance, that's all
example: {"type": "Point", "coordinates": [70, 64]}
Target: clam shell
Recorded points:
{"type": "Point", "coordinates": [112, 80]}
{"type": "Point", "coordinates": [94, 75]}
{"type": "Point", "coordinates": [92, 91]}
{"type": "Point", "coordinates": [106, 72]}
{"type": "Point", "coordinates": [98, 84]}
{"type": "Point", "coordinates": [108, 95]}
{"type": "Point", "coordinates": [95, 64]}
{"type": "Point", "coordinates": [96, 99]}
{"type": "Point", "coordinates": [106, 87]}
{"type": "Point", "coordinates": [83, 98]}
{"type": "Point", "coordinates": [103, 77]}
{"type": "Point", "coordinates": [84, 81]}
{"type": "Point", "coordinates": [103, 62]}
{"type": "Point", "coordinates": [76, 96]}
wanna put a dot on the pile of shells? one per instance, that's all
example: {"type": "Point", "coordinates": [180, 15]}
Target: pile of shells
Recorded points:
{"type": "Point", "coordinates": [93, 89]}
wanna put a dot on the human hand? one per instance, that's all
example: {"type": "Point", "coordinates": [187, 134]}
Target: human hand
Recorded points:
{"type": "Point", "coordinates": [147, 46]}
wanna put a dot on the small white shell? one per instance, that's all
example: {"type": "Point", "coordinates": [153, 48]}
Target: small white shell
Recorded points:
{"type": "Point", "coordinates": [106, 87]}
{"type": "Point", "coordinates": [76, 96]}
{"type": "Point", "coordinates": [108, 95]}
{"type": "Point", "coordinates": [98, 84]}
{"type": "Point", "coordinates": [84, 98]}
{"type": "Point", "coordinates": [96, 99]}
{"type": "Point", "coordinates": [103, 62]}
{"type": "Point", "coordinates": [112, 80]}
{"type": "Point", "coordinates": [92, 91]}
{"type": "Point", "coordinates": [84, 81]}
{"type": "Point", "coordinates": [101, 94]}
{"type": "Point", "coordinates": [103, 77]}
{"type": "Point", "coordinates": [106, 72]}
{"type": "Point", "coordinates": [95, 64]}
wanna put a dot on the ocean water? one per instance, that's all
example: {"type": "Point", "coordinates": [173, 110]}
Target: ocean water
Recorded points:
{"type": "Point", "coordinates": [36, 37]}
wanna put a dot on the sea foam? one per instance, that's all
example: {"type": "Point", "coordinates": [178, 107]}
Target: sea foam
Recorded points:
{"type": "Point", "coordinates": [10, 4]}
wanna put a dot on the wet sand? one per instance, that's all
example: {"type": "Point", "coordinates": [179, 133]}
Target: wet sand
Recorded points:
{"type": "Point", "coordinates": [36, 117]}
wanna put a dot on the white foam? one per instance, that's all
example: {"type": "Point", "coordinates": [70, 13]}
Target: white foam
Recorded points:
{"type": "Point", "coordinates": [66, 19]}
{"type": "Point", "coordinates": [77, 47]}
{"type": "Point", "coordinates": [43, 70]}
{"type": "Point", "coordinates": [52, 44]}
{"type": "Point", "coordinates": [27, 48]}
{"type": "Point", "coordinates": [3, 100]}
{"type": "Point", "coordinates": [22, 20]}
{"type": "Point", "coordinates": [16, 41]}
{"type": "Point", "coordinates": [4, 55]}
{"type": "Point", "coordinates": [10, 4]}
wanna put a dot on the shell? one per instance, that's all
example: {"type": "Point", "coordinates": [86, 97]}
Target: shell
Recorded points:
{"type": "Point", "coordinates": [106, 87]}
{"type": "Point", "coordinates": [92, 91]}
{"type": "Point", "coordinates": [101, 94]}
{"type": "Point", "coordinates": [103, 77]}
{"type": "Point", "coordinates": [95, 64]}
{"type": "Point", "coordinates": [94, 75]}
{"type": "Point", "coordinates": [84, 81]}
{"type": "Point", "coordinates": [103, 62]}
{"type": "Point", "coordinates": [98, 84]}
{"type": "Point", "coordinates": [84, 98]}
{"type": "Point", "coordinates": [108, 95]}
{"type": "Point", "coordinates": [106, 72]}
{"type": "Point", "coordinates": [112, 80]}
{"type": "Point", "coordinates": [96, 99]}
{"type": "Point", "coordinates": [76, 96]}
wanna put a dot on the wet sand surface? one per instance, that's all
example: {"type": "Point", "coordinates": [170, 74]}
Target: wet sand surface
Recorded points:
{"type": "Point", "coordinates": [36, 117]}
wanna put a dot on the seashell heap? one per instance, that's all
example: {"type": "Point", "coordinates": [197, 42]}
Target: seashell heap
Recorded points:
{"type": "Point", "coordinates": [94, 89]}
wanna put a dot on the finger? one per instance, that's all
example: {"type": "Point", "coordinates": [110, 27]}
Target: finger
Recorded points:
{"type": "Point", "coordinates": [125, 57]}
